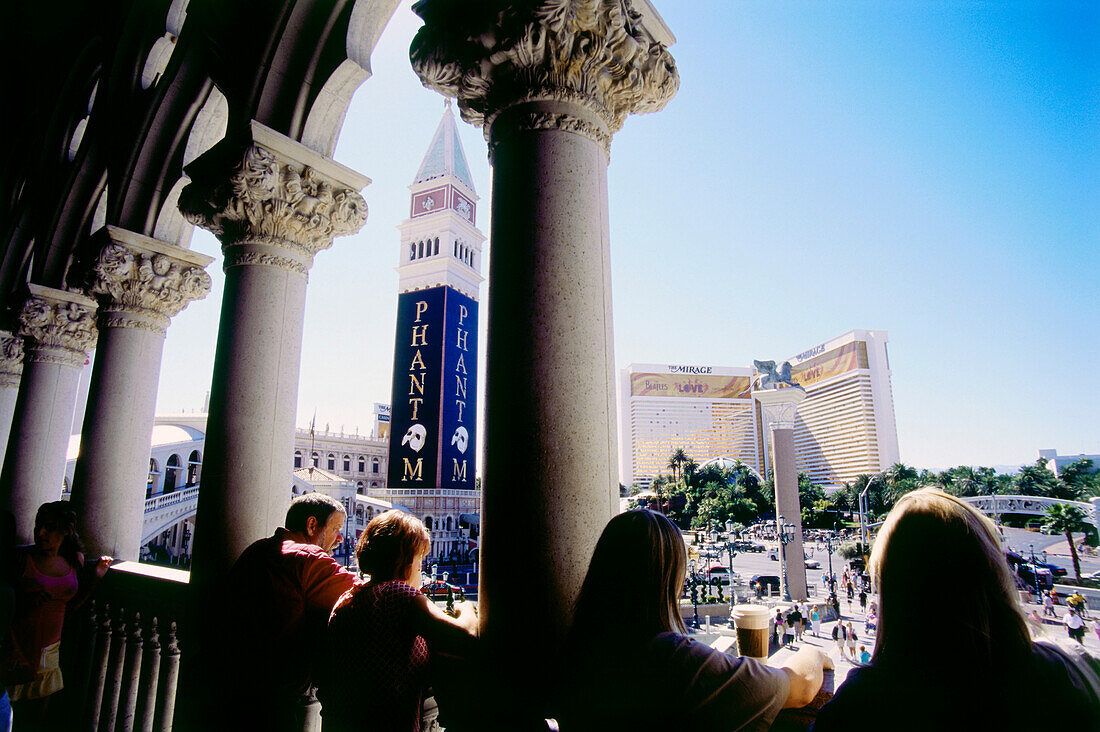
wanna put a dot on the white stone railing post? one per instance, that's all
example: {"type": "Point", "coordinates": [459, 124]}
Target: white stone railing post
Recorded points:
{"type": "Point", "coordinates": [141, 284]}
{"type": "Point", "coordinates": [273, 206]}
{"type": "Point", "coordinates": [550, 86]}
{"type": "Point", "coordinates": [58, 329]}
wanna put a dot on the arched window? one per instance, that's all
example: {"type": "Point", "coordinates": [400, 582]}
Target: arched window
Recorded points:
{"type": "Point", "coordinates": [331, 461]}
{"type": "Point", "coordinates": [359, 513]}
{"type": "Point", "coordinates": [154, 471]}
{"type": "Point", "coordinates": [313, 460]}
{"type": "Point", "coordinates": [359, 487]}
{"type": "Point", "coordinates": [428, 523]}
{"type": "Point", "coordinates": [297, 459]}
{"type": "Point", "coordinates": [412, 251]}
{"type": "Point", "coordinates": [362, 464]}
{"type": "Point", "coordinates": [171, 474]}
{"type": "Point", "coordinates": [420, 249]}
{"type": "Point", "coordinates": [448, 523]}
{"type": "Point", "coordinates": [370, 513]}
{"type": "Point", "coordinates": [456, 249]}
{"type": "Point", "coordinates": [374, 465]}
{"type": "Point", "coordinates": [436, 247]}
{"type": "Point", "coordinates": [347, 463]}
{"type": "Point", "coordinates": [194, 465]}
{"type": "Point", "coordinates": [374, 484]}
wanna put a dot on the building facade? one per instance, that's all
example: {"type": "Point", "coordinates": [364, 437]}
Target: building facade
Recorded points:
{"type": "Point", "coordinates": [433, 436]}
{"type": "Point", "coordinates": [845, 427]}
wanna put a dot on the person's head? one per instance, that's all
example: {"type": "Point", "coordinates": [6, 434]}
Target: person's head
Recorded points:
{"type": "Point", "coordinates": [316, 519]}
{"type": "Point", "coordinates": [929, 539]}
{"type": "Point", "coordinates": [55, 530]}
{"type": "Point", "coordinates": [632, 589]}
{"type": "Point", "coordinates": [393, 546]}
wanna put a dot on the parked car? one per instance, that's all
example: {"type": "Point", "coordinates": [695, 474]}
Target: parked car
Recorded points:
{"type": "Point", "coordinates": [813, 564]}
{"type": "Point", "coordinates": [437, 590]}
{"type": "Point", "coordinates": [1054, 569]}
{"type": "Point", "coordinates": [1027, 574]}
{"type": "Point", "coordinates": [766, 581]}
{"type": "Point", "coordinates": [718, 575]}
{"type": "Point", "coordinates": [747, 546]}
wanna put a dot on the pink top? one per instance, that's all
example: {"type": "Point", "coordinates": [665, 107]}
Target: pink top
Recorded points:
{"type": "Point", "coordinates": [40, 602]}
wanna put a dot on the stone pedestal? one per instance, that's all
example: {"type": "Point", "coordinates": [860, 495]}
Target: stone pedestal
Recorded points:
{"type": "Point", "coordinates": [273, 206]}
{"type": "Point", "coordinates": [780, 407]}
{"type": "Point", "coordinates": [550, 103]}
{"type": "Point", "coordinates": [11, 372]}
{"type": "Point", "coordinates": [59, 330]}
{"type": "Point", "coordinates": [141, 283]}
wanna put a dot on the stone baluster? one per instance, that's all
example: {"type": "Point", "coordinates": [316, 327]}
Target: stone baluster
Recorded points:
{"type": "Point", "coordinates": [151, 677]}
{"type": "Point", "coordinates": [273, 206]}
{"type": "Point", "coordinates": [131, 677]}
{"type": "Point", "coordinates": [550, 82]}
{"type": "Point", "coordinates": [171, 656]}
{"type": "Point", "coordinates": [11, 370]}
{"type": "Point", "coordinates": [99, 668]}
{"type": "Point", "coordinates": [113, 687]}
{"type": "Point", "coordinates": [141, 283]}
{"type": "Point", "coordinates": [58, 329]}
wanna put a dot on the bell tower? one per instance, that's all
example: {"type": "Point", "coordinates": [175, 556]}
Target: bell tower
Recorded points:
{"type": "Point", "coordinates": [433, 440]}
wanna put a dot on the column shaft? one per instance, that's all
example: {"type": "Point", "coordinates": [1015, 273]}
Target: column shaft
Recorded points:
{"type": "Point", "coordinates": [787, 506]}
{"type": "Point", "coordinates": [550, 465]}
{"type": "Point", "coordinates": [113, 468]}
{"type": "Point", "coordinates": [11, 371]}
{"type": "Point", "coordinates": [34, 464]}
{"type": "Point", "coordinates": [246, 469]}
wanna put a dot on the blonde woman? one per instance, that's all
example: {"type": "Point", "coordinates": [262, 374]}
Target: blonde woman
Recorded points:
{"type": "Point", "coordinates": [965, 665]}
{"type": "Point", "coordinates": [629, 663]}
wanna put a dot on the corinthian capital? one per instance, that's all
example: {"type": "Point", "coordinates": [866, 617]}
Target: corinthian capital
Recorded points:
{"type": "Point", "coordinates": [11, 360]}
{"type": "Point", "coordinates": [601, 54]}
{"type": "Point", "coordinates": [59, 324]}
{"type": "Point", "coordinates": [279, 195]}
{"type": "Point", "coordinates": [145, 282]}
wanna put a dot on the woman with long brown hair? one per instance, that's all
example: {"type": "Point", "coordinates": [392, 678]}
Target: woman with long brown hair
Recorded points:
{"type": "Point", "coordinates": [953, 650]}
{"type": "Point", "coordinates": [629, 663]}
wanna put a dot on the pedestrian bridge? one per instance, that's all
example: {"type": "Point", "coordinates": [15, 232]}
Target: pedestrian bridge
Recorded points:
{"type": "Point", "coordinates": [997, 505]}
{"type": "Point", "coordinates": [164, 511]}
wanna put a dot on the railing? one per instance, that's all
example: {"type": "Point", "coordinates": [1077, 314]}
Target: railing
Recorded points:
{"type": "Point", "coordinates": [127, 667]}
{"type": "Point", "coordinates": [165, 500]}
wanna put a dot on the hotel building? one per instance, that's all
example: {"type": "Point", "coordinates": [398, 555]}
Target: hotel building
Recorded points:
{"type": "Point", "coordinates": [845, 427]}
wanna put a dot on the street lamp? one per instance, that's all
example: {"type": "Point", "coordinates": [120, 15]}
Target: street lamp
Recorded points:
{"type": "Point", "coordinates": [1034, 570]}
{"type": "Point", "coordinates": [694, 598]}
{"type": "Point", "coordinates": [785, 533]}
{"type": "Point", "coordinates": [862, 525]}
{"type": "Point", "coordinates": [730, 553]}
{"type": "Point", "coordinates": [829, 539]}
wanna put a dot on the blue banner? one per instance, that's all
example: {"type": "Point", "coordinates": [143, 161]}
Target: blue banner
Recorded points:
{"type": "Point", "coordinates": [417, 374]}
{"type": "Point", "coordinates": [458, 448]}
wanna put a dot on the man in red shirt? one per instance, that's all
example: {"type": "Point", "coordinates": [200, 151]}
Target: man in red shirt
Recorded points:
{"type": "Point", "coordinates": [281, 591]}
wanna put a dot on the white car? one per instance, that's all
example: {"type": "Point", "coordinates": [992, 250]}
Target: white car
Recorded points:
{"type": "Point", "coordinates": [813, 564]}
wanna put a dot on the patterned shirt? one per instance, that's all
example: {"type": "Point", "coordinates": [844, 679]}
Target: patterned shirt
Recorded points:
{"type": "Point", "coordinates": [377, 667]}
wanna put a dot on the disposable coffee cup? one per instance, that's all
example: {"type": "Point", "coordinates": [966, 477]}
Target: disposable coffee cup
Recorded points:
{"type": "Point", "coordinates": [751, 622]}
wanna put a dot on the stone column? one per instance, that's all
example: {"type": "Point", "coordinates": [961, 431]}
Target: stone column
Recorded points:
{"type": "Point", "coordinates": [550, 82]}
{"type": "Point", "coordinates": [780, 407]}
{"type": "Point", "coordinates": [273, 207]}
{"type": "Point", "coordinates": [141, 283]}
{"type": "Point", "coordinates": [59, 330]}
{"type": "Point", "coordinates": [11, 370]}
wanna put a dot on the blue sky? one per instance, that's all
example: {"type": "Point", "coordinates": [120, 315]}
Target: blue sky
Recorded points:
{"type": "Point", "coordinates": [930, 169]}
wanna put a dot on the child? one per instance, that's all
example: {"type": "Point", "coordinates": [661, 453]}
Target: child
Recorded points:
{"type": "Point", "coordinates": [864, 656]}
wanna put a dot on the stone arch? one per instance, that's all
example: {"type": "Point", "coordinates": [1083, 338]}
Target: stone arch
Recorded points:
{"type": "Point", "coordinates": [171, 473]}
{"type": "Point", "coordinates": [194, 468]}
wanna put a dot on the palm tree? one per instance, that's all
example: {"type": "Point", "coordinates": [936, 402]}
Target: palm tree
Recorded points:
{"type": "Point", "coordinates": [676, 462]}
{"type": "Point", "coordinates": [1064, 518]}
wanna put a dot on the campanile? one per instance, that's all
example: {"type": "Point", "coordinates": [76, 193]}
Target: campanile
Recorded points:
{"type": "Point", "coordinates": [433, 439]}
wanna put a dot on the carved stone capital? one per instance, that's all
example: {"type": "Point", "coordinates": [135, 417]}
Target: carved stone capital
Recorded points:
{"type": "Point", "coordinates": [780, 406]}
{"type": "Point", "coordinates": [60, 326]}
{"type": "Point", "coordinates": [11, 360]}
{"type": "Point", "coordinates": [599, 54]}
{"type": "Point", "coordinates": [144, 282]}
{"type": "Point", "coordinates": [280, 194]}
